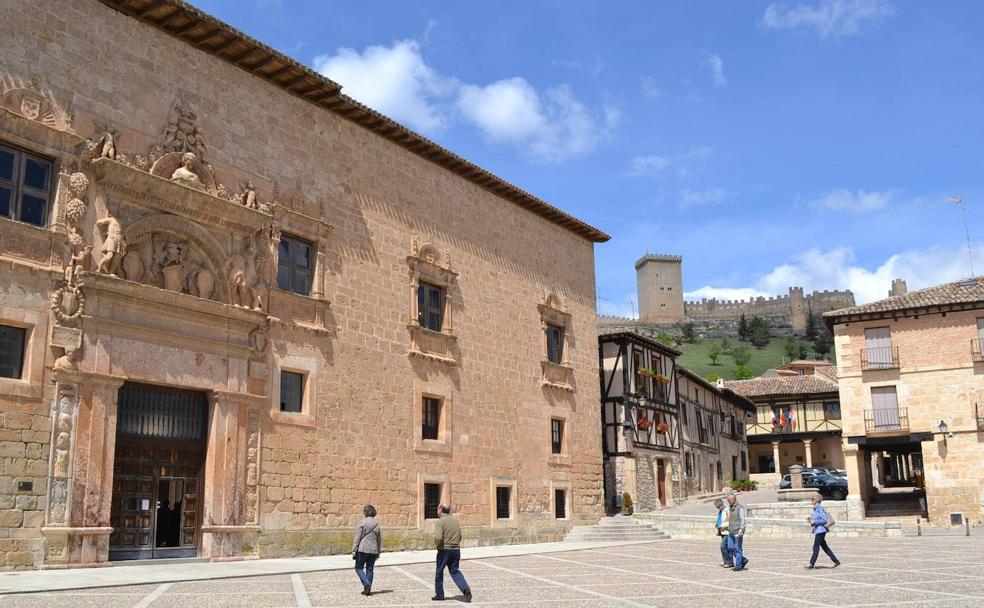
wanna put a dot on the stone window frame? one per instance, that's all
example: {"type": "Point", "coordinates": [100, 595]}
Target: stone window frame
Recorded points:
{"type": "Point", "coordinates": [427, 264]}
{"type": "Point", "coordinates": [444, 444]}
{"type": "Point", "coordinates": [17, 186]}
{"type": "Point", "coordinates": [496, 481]}
{"type": "Point", "coordinates": [30, 384]}
{"type": "Point", "coordinates": [312, 254]}
{"type": "Point", "coordinates": [564, 458]}
{"type": "Point", "coordinates": [428, 477]}
{"type": "Point", "coordinates": [553, 311]}
{"type": "Point", "coordinates": [311, 230]}
{"type": "Point", "coordinates": [566, 486]}
{"type": "Point", "coordinates": [309, 368]}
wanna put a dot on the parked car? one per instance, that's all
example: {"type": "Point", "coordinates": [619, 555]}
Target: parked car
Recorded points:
{"type": "Point", "coordinates": [829, 486]}
{"type": "Point", "coordinates": [785, 483]}
{"type": "Point", "coordinates": [827, 471]}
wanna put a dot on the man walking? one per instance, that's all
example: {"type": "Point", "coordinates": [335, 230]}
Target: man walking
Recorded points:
{"type": "Point", "coordinates": [736, 532]}
{"type": "Point", "coordinates": [721, 529]}
{"type": "Point", "coordinates": [447, 538]}
{"type": "Point", "coordinates": [821, 522]}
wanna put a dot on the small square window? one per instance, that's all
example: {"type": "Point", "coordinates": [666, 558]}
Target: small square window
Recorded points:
{"type": "Point", "coordinates": [25, 186]}
{"type": "Point", "coordinates": [556, 436]}
{"type": "Point", "coordinates": [744, 461]}
{"type": "Point", "coordinates": [432, 499]}
{"type": "Point", "coordinates": [431, 426]}
{"type": "Point", "coordinates": [502, 495]}
{"type": "Point", "coordinates": [294, 269]}
{"type": "Point", "coordinates": [560, 504]}
{"type": "Point", "coordinates": [555, 344]}
{"type": "Point", "coordinates": [12, 341]}
{"type": "Point", "coordinates": [291, 391]}
{"type": "Point", "coordinates": [430, 306]}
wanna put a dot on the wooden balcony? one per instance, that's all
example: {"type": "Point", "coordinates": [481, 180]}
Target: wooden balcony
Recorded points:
{"type": "Point", "coordinates": [889, 420]}
{"type": "Point", "coordinates": [882, 357]}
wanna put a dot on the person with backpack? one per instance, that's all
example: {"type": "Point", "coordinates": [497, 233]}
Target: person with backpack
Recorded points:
{"type": "Point", "coordinates": [367, 543]}
{"type": "Point", "coordinates": [721, 528]}
{"type": "Point", "coordinates": [821, 521]}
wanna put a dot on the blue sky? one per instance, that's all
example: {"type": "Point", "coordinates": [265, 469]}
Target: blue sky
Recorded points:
{"type": "Point", "coordinates": [809, 142]}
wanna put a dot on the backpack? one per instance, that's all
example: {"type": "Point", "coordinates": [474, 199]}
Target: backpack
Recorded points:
{"type": "Point", "coordinates": [830, 519]}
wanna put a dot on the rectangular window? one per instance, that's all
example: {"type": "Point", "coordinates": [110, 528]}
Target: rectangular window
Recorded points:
{"type": "Point", "coordinates": [430, 306]}
{"type": "Point", "coordinates": [560, 504]}
{"type": "Point", "coordinates": [502, 502]}
{"type": "Point", "coordinates": [25, 186]}
{"type": "Point", "coordinates": [744, 461]}
{"type": "Point", "coordinates": [431, 418]}
{"type": "Point", "coordinates": [12, 341]}
{"type": "Point", "coordinates": [878, 344]}
{"type": "Point", "coordinates": [294, 267]}
{"type": "Point", "coordinates": [291, 391]}
{"type": "Point", "coordinates": [556, 436]}
{"type": "Point", "coordinates": [432, 498]}
{"type": "Point", "coordinates": [832, 410]}
{"type": "Point", "coordinates": [555, 344]}
{"type": "Point", "coordinates": [885, 408]}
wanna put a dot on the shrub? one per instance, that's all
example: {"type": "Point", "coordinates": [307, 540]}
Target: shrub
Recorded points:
{"type": "Point", "coordinates": [743, 485]}
{"type": "Point", "coordinates": [741, 372]}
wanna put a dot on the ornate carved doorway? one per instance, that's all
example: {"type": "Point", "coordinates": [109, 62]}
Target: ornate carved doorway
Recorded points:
{"type": "Point", "coordinates": [157, 476]}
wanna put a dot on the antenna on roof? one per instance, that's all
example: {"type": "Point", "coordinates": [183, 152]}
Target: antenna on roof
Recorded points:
{"type": "Point", "coordinates": [959, 202]}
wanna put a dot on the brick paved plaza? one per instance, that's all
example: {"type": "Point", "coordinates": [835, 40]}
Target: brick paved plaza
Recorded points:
{"type": "Point", "coordinates": [932, 572]}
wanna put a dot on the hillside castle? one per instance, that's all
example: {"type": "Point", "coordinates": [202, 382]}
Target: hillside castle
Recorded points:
{"type": "Point", "coordinates": [659, 281]}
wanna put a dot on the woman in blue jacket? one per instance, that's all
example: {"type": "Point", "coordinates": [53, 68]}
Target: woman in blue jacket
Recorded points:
{"type": "Point", "coordinates": [821, 522]}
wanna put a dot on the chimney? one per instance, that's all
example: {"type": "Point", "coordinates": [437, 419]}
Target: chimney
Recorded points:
{"type": "Point", "coordinates": [898, 288]}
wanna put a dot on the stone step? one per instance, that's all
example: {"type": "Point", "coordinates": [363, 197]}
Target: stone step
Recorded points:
{"type": "Point", "coordinates": [617, 529]}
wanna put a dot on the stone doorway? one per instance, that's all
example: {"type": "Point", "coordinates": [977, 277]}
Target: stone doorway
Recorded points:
{"type": "Point", "coordinates": [160, 451]}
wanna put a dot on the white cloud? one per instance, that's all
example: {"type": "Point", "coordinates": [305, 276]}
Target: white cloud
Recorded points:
{"type": "Point", "coordinates": [715, 65]}
{"type": "Point", "coordinates": [548, 126]}
{"type": "Point", "coordinates": [393, 80]}
{"type": "Point", "coordinates": [707, 196]}
{"type": "Point", "coordinates": [830, 18]}
{"type": "Point", "coordinates": [655, 164]}
{"type": "Point", "coordinates": [650, 88]}
{"type": "Point", "coordinates": [816, 269]}
{"type": "Point", "coordinates": [648, 165]}
{"type": "Point", "coordinates": [858, 202]}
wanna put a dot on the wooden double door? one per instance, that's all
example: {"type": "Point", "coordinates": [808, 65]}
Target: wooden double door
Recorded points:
{"type": "Point", "coordinates": [157, 474]}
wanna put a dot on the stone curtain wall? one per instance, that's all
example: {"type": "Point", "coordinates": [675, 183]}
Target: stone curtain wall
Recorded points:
{"type": "Point", "coordinates": [780, 310]}
{"type": "Point", "coordinates": [357, 443]}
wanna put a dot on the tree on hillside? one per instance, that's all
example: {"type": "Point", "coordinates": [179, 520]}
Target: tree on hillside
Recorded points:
{"type": "Point", "coordinates": [824, 342]}
{"type": "Point", "coordinates": [811, 327]}
{"type": "Point", "coordinates": [689, 334]}
{"type": "Point", "coordinates": [759, 332]}
{"type": "Point", "coordinates": [665, 338]}
{"type": "Point", "coordinates": [725, 346]}
{"type": "Point", "coordinates": [742, 328]}
{"type": "Point", "coordinates": [741, 355]}
{"type": "Point", "coordinates": [790, 347]}
{"type": "Point", "coordinates": [714, 351]}
{"type": "Point", "coordinates": [741, 372]}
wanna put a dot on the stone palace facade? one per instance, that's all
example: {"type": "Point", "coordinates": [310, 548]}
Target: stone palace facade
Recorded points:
{"type": "Point", "coordinates": [236, 305]}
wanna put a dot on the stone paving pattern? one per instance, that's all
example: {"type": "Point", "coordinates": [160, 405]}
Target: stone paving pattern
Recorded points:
{"type": "Point", "coordinates": [912, 572]}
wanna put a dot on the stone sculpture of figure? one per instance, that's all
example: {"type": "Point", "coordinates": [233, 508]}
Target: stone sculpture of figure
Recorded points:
{"type": "Point", "coordinates": [79, 260]}
{"type": "Point", "coordinates": [205, 282]}
{"type": "Point", "coordinates": [248, 197]}
{"type": "Point", "coordinates": [114, 247]}
{"type": "Point", "coordinates": [243, 279]}
{"type": "Point", "coordinates": [172, 267]}
{"type": "Point", "coordinates": [67, 361]}
{"type": "Point", "coordinates": [185, 174]}
{"type": "Point", "coordinates": [107, 144]}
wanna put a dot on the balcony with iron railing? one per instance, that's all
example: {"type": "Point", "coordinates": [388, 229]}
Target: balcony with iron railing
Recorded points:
{"type": "Point", "coordinates": [886, 420]}
{"type": "Point", "coordinates": [880, 357]}
{"type": "Point", "coordinates": [975, 351]}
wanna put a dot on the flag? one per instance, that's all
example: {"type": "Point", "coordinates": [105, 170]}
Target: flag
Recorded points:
{"type": "Point", "coordinates": [773, 417]}
{"type": "Point", "coordinates": [782, 418]}
{"type": "Point", "coordinates": [792, 418]}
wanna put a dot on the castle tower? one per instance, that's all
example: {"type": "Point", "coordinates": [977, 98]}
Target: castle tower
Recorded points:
{"type": "Point", "coordinates": [898, 288]}
{"type": "Point", "coordinates": [797, 309]}
{"type": "Point", "coordinates": [659, 281]}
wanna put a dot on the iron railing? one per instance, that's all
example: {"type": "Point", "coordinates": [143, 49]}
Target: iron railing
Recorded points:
{"type": "Point", "coordinates": [880, 357]}
{"type": "Point", "coordinates": [886, 420]}
{"type": "Point", "coordinates": [975, 350]}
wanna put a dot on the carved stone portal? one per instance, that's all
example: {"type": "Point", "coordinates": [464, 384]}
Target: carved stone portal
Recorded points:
{"type": "Point", "coordinates": [171, 261]}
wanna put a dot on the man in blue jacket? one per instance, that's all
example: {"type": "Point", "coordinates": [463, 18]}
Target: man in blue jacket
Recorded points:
{"type": "Point", "coordinates": [821, 522]}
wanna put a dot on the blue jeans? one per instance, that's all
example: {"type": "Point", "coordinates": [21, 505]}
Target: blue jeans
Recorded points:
{"type": "Point", "coordinates": [820, 542]}
{"type": "Point", "coordinates": [364, 563]}
{"type": "Point", "coordinates": [735, 547]}
{"type": "Point", "coordinates": [448, 558]}
{"type": "Point", "coordinates": [726, 552]}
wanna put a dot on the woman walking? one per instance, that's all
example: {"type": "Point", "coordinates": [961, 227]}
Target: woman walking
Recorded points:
{"type": "Point", "coordinates": [821, 522]}
{"type": "Point", "coordinates": [366, 545]}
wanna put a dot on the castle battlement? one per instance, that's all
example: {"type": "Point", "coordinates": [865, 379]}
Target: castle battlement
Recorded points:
{"type": "Point", "coordinates": [657, 257]}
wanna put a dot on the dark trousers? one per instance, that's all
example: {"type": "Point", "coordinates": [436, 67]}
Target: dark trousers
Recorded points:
{"type": "Point", "coordinates": [737, 549]}
{"type": "Point", "coordinates": [820, 542]}
{"type": "Point", "coordinates": [448, 558]}
{"type": "Point", "coordinates": [364, 564]}
{"type": "Point", "coordinates": [726, 552]}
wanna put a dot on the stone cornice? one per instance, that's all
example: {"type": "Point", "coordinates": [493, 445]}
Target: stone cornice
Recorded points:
{"type": "Point", "coordinates": [18, 127]}
{"type": "Point", "coordinates": [164, 195]}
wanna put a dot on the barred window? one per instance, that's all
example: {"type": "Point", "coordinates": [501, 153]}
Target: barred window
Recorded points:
{"type": "Point", "coordinates": [432, 498]}
{"type": "Point", "coordinates": [502, 510]}
{"type": "Point", "coordinates": [431, 418]}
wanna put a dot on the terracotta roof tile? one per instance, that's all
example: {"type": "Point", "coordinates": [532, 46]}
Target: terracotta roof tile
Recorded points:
{"type": "Point", "coordinates": [964, 291]}
{"type": "Point", "coordinates": [784, 385]}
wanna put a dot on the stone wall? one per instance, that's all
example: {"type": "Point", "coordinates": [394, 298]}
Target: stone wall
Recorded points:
{"type": "Point", "coordinates": [375, 213]}
{"type": "Point", "coordinates": [782, 311]}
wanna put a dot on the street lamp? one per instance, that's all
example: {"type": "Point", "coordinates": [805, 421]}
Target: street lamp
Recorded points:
{"type": "Point", "coordinates": [943, 428]}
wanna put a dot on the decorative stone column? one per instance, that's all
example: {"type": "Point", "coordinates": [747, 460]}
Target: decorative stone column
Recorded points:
{"type": "Point", "coordinates": [232, 464]}
{"type": "Point", "coordinates": [807, 450]}
{"type": "Point", "coordinates": [775, 458]}
{"type": "Point", "coordinates": [855, 461]}
{"type": "Point", "coordinates": [83, 450]}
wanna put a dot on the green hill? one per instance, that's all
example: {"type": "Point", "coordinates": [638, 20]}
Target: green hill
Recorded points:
{"type": "Point", "coordinates": [695, 357]}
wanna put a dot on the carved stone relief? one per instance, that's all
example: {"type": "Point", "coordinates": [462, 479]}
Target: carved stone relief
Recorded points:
{"type": "Point", "coordinates": [180, 134]}
{"type": "Point", "coordinates": [252, 465]}
{"type": "Point", "coordinates": [113, 247]}
{"type": "Point", "coordinates": [63, 416]}
{"type": "Point", "coordinates": [30, 100]}
{"type": "Point", "coordinates": [170, 261]}
{"type": "Point", "coordinates": [249, 272]}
